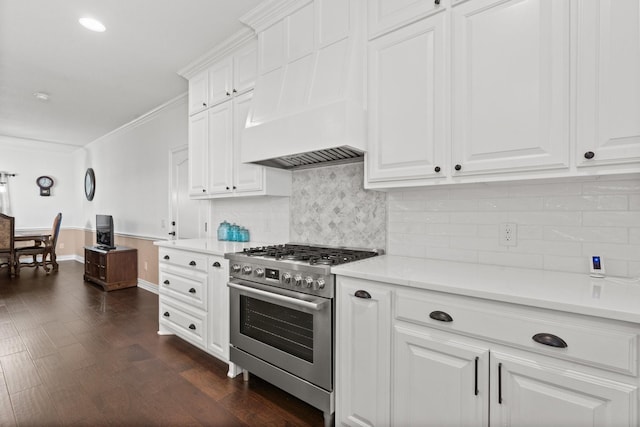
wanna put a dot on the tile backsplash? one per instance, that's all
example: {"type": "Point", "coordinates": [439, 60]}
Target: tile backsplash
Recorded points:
{"type": "Point", "coordinates": [560, 223]}
{"type": "Point", "coordinates": [330, 206]}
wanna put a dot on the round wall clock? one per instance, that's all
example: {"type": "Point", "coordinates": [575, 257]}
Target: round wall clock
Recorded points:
{"type": "Point", "coordinates": [89, 184]}
{"type": "Point", "coordinates": [45, 183]}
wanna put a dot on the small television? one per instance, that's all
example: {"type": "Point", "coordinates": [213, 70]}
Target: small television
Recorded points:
{"type": "Point", "coordinates": [104, 232]}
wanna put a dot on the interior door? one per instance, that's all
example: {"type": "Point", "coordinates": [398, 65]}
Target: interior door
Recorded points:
{"type": "Point", "coordinates": [188, 216]}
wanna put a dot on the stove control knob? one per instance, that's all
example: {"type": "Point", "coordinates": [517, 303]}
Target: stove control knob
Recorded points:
{"type": "Point", "coordinates": [308, 281]}
{"type": "Point", "coordinates": [259, 272]}
{"type": "Point", "coordinates": [319, 284]}
{"type": "Point", "coordinates": [246, 269]}
{"type": "Point", "coordinates": [236, 268]}
{"type": "Point", "coordinates": [298, 280]}
{"type": "Point", "coordinates": [286, 278]}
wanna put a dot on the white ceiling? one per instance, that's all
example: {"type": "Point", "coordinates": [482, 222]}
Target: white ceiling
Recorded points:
{"type": "Point", "coordinates": [100, 81]}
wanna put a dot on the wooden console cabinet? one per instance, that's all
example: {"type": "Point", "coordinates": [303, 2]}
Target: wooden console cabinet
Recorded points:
{"type": "Point", "coordinates": [113, 269]}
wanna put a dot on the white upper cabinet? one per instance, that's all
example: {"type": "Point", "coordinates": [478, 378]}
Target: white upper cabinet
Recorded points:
{"type": "Point", "coordinates": [220, 84]}
{"type": "Point", "coordinates": [406, 103]}
{"type": "Point", "coordinates": [608, 105]}
{"type": "Point", "coordinates": [386, 15]}
{"type": "Point", "coordinates": [198, 154]}
{"type": "Point", "coordinates": [198, 93]}
{"type": "Point", "coordinates": [510, 86]}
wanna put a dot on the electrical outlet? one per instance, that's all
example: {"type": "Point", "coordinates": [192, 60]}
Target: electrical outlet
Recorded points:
{"type": "Point", "coordinates": [145, 266]}
{"type": "Point", "coordinates": [509, 234]}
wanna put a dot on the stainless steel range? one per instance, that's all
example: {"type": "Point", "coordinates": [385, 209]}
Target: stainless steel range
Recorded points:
{"type": "Point", "coordinates": [282, 316]}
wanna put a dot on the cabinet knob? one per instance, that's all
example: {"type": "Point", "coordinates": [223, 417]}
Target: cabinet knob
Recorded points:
{"type": "Point", "coordinates": [192, 327]}
{"type": "Point", "coordinates": [192, 263]}
{"type": "Point", "coordinates": [227, 188]}
{"type": "Point", "coordinates": [589, 155]}
{"type": "Point", "coordinates": [458, 167]}
{"type": "Point", "coordinates": [166, 314]}
{"type": "Point", "coordinates": [166, 282]}
{"type": "Point", "coordinates": [235, 91]}
{"type": "Point", "coordinates": [437, 169]}
{"type": "Point", "coordinates": [173, 233]}
{"type": "Point", "coordinates": [216, 264]}
{"type": "Point", "coordinates": [192, 291]}
{"type": "Point", "coordinates": [550, 340]}
{"type": "Point", "coordinates": [437, 1]}
{"type": "Point", "coordinates": [440, 316]}
{"type": "Point", "coordinates": [228, 94]}
{"type": "Point", "coordinates": [362, 294]}
{"type": "Point", "coordinates": [204, 104]}
{"type": "Point", "coordinates": [204, 191]}
{"type": "Point", "coordinates": [234, 187]}
{"type": "Point", "coordinates": [166, 257]}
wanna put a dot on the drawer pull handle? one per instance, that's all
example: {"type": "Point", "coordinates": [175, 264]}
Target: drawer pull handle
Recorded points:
{"type": "Point", "coordinates": [192, 291]}
{"type": "Point", "coordinates": [192, 263]}
{"type": "Point", "coordinates": [500, 383]}
{"type": "Point", "coordinates": [167, 257]}
{"type": "Point", "coordinates": [166, 314]}
{"type": "Point", "coordinates": [440, 316]}
{"type": "Point", "coordinates": [192, 327]}
{"type": "Point", "coordinates": [362, 294]}
{"type": "Point", "coordinates": [550, 340]}
{"type": "Point", "coordinates": [166, 282]}
{"type": "Point", "coordinates": [589, 155]}
{"type": "Point", "coordinates": [216, 264]}
{"type": "Point", "coordinates": [475, 381]}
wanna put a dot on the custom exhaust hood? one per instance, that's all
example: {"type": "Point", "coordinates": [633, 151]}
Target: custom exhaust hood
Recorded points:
{"type": "Point", "coordinates": [308, 105]}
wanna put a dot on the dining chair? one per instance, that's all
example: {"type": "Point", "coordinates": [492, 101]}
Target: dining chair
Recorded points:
{"type": "Point", "coordinates": [44, 251]}
{"type": "Point", "coordinates": [7, 236]}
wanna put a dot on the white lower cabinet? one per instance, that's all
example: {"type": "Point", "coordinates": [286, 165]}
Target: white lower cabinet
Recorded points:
{"type": "Point", "coordinates": [409, 357]}
{"type": "Point", "coordinates": [194, 300]}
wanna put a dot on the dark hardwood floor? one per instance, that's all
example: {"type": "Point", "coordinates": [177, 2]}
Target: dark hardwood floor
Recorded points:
{"type": "Point", "coordinates": [71, 354]}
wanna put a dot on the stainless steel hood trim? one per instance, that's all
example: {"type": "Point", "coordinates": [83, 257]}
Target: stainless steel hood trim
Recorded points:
{"type": "Point", "coordinates": [314, 159]}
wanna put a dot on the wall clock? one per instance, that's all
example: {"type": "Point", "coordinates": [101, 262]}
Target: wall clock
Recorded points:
{"type": "Point", "coordinates": [45, 183]}
{"type": "Point", "coordinates": [89, 184]}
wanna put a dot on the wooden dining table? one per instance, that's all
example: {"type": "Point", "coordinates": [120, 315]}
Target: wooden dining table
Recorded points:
{"type": "Point", "coordinates": [38, 239]}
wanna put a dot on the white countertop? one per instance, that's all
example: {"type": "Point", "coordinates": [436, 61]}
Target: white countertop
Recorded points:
{"type": "Point", "coordinates": [207, 246]}
{"type": "Point", "coordinates": [611, 298]}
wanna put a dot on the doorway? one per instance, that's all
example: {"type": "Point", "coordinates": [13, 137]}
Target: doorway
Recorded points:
{"type": "Point", "coordinates": [189, 217]}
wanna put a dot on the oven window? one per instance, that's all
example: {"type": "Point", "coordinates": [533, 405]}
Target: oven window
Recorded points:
{"type": "Point", "coordinates": [283, 328]}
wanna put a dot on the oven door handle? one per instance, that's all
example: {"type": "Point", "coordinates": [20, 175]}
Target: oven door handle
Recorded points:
{"type": "Point", "coordinates": [316, 306]}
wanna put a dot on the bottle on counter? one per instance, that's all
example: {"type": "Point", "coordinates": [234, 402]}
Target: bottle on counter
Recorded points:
{"type": "Point", "coordinates": [234, 231]}
{"type": "Point", "coordinates": [223, 231]}
{"type": "Point", "coordinates": [243, 235]}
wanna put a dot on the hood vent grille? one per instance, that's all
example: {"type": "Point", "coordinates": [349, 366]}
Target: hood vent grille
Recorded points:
{"type": "Point", "coordinates": [317, 158]}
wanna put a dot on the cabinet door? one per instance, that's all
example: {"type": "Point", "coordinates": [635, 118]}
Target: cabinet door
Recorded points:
{"type": "Point", "coordinates": [245, 68]}
{"type": "Point", "coordinates": [246, 177]}
{"type": "Point", "coordinates": [220, 81]}
{"type": "Point", "coordinates": [440, 379]}
{"type": "Point", "coordinates": [510, 85]}
{"type": "Point", "coordinates": [363, 379]}
{"type": "Point", "coordinates": [198, 93]}
{"type": "Point", "coordinates": [529, 391]}
{"type": "Point", "coordinates": [218, 311]}
{"type": "Point", "coordinates": [198, 153]}
{"type": "Point", "coordinates": [385, 15]}
{"type": "Point", "coordinates": [406, 103]}
{"type": "Point", "coordinates": [608, 82]}
{"type": "Point", "coordinates": [220, 146]}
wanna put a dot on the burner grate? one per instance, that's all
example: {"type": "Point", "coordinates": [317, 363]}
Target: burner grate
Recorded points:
{"type": "Point", "coordinates": [314, 255]}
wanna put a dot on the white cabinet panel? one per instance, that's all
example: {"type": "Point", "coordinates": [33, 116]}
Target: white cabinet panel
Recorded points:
{"type": "Point", "coordinates": [440, 379]}
{"type": "Point", "coordinates": [198, 93]}
{"type": "Point", "coordinates": [245, 68]}
{"type": "Point", "coordinates": [220, 148]}
{"type": "Point", "coordinates": [220, 75]}
{"type": "Point", "coordinates": [247, 177]}
{"type": "Point", "coordinates": [510, 85]}
{"type": "Point", "coordinates": [198, 153]}
{"type": "Point", "coordinates": [363, 353]}
{"type": "Point", "coordinates": [218, 310]}
{"type": "Point", "coordinates": [527, 391]}
{"type": "Point", "coordinates": [301, 33]}
{"type": "Point", "coordinates": [406, 103]}
{"type": "Point", "coordinates": [608, 104]}
{"type": "Point", "coordinates": [385, 15]}
{"type": "Point", "coordinates": [271, 50]}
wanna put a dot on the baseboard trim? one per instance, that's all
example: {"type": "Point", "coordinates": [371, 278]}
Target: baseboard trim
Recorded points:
{"type": "Point", "coordinates": [148, 286]}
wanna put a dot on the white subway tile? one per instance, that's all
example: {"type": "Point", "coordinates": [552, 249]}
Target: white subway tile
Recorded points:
{"type": "Point", "coordinates": [480, 191]}
{"type": "Point", "coordinates": [546, 218]}
{"type": "Point", "coordinates": [510, 259]}
{"type": "Point", "coordinates": [407, 227]}
{"type": "Point", "coordinates": [452, 229]}
{"type": "Point", "coordinates": [477, 243]}
{"type": "Point", "coordinates": [634, 270]}
{"type": "Point", "coordinates": [586, 234]}
{"type": "Point", "coordinates": [451, 205]}
{"type": "Point", "coordinates": [544, 189]}
{"type": "Point", "coordinates": [513, 204]}
{"type": "Point", "coordinates": [478, 217]}
{"type": "Point", "coordinates": [428, 193]}
{"type": "Point", "coordinates": [407, 206]}
{"type": "Point", "coordinates": [426, 217]}
{"type": "Point", "coordinates": [612, 251]}
{"type": "Point", "coordinates": [617, 268]}
{"type": "Point", "coordinates": [634, 202]}
{"type": "Point", "coordinates": [587, 203]}
{"type": "Point", "coordinates": [611, 219]}
{"type": "Point", "coordinates": [547, 247]}
{"type": "Point", "coordinates": [634, 236]}
{"type": "Point", "coordinates": [526, 231]}
{"type": "Point", "coordinates": [569, 264]}
{"type": "Point", "coordinates": [400, 248]}
{"type": "Point", "coordinates": [449, 254]}
{"type": "Point", "coordinates": [607, 187]}
{"type": "Point", "coordinates": [488, 230]}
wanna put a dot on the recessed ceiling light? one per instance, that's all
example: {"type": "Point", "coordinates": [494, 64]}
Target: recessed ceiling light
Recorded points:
{"type": "Point", "coordinates": [92, 24]}
{"type": "Point", "coordinates": [42, 96]}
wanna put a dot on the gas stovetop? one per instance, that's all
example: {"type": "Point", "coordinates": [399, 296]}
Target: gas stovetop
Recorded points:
{"type": "Point", "coordinates": [302, 268]}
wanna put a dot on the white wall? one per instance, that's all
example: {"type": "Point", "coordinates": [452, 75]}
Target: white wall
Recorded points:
{"type": "Point", "coordinates": [29, 160]}
{"type": "Point", "coordinates": [131, 165]}
{"type": "Point", "coordinates": [560, 223]}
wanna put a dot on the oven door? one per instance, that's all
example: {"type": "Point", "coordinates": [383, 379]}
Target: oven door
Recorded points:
{"type": "Point", "coordinates": [290, 330]}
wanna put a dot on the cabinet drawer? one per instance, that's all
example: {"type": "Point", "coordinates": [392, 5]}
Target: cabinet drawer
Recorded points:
{"type": "Point", "coordinates": [588, 340]}
{"type": "Point", "coordinates": [185, 323]}
{"type": "Point", "coordinates": [189, 288]}
{"type": "Point", "coordinates": [190, 260]}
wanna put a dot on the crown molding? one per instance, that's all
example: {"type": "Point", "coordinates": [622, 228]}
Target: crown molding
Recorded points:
{"type": "Point", "coordinates": [271, 11]}
{"type": "Point", "coordinates": [221, 50]}
{"type": "Point", "coordinates": [29, 144]}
